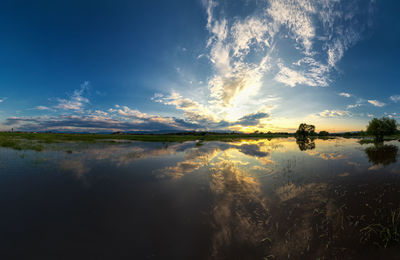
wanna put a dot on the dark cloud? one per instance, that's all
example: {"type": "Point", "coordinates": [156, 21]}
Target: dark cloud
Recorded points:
{"type": "Point", "coordinates": [88, 122]}
{"type": "Point", "coordinates": [126, 123]}
{"type": "Point", "coordinates": [252, 119]}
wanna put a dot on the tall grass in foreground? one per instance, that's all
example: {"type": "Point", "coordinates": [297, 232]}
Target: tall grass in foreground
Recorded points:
{"type": "Point", "coordinates": [384, 234]}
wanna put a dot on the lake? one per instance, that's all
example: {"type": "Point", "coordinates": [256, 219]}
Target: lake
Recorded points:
{"type": "Point", "coordinates": [250, 199]}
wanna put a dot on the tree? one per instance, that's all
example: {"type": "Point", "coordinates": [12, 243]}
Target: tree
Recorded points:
{"type": "Point", "coordinates": [381, 127]}
{"type": "Point", "coordinates": [305, 130]}
{"type": "Point", "coordinates": [323, 133]}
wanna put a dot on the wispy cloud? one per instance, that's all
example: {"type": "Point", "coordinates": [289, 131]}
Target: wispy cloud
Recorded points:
{"type": "Point", "coordinates": [344, 94]}
{"type": "Point", "coordinates": [76, 101]}
{"type": "Point", "coordinates": [376, 103]}
{"type": "Point", "coordinates": [354, 106]}
{"type": "Point", "coordinates": [395, 98]}
{"type": "Point", "coordinates": [43, 108]}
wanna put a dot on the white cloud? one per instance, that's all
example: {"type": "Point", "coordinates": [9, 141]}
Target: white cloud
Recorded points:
{"type": "Point", "coordinates": [246, 49]}
{"type": "Point", "coordinates": [344, 94]}
{"type": "Point", "coordinates": [296, 16]}
{"type": "Point", "coordinates": [76, 101]}
{"type": "Point", "coordinates": [376, 103]}
{"type": "Point", "coordinates": [333, 113]}
{"type": "Point", "coordinates": [395, 98]}
{"type": "Point", "coordinates": [43, 108]}
{"type": "Point", "coordinates": [292, 78]}
{"type": "Point", "coordinates": [102, 113]}
{"type": "Point", "coordinates": [354, 106]}
{"type": "Point", "coordinates": [126, 111]}
{"type": "Point", "coordinates": [193, 111]}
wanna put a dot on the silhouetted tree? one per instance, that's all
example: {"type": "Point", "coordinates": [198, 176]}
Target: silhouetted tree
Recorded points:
{"type": "Point", "coordinates": [305, 130]}
{"type": "Point", "coordinates": [381, 127]}
{"type": "Point", "coordinates": [323, 133]}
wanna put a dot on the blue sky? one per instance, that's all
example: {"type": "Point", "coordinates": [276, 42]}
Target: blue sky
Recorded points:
{"type": "Point", "coordinates": [246, 65]}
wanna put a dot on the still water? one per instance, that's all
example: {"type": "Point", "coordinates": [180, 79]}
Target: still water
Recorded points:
{"type": "Point", "coordinates": [253, 199]}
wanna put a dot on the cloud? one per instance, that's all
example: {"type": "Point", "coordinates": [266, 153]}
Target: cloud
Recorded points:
{"type": "Point", "coordinates": [376, 103]}
{"type": "Point", "coordinates": [123, 118]}
{"type": "Point", "coordinates": [201, 115]}
{"type": "Point", "coordinates": [101, 113]}
{"type": "Point", "coordinates": [283, 41]}
{"type": "Point", "coordinates": [92, 123]}
{"type": "Point", "coordinates": [311, 78]}
{"type": "Point", "coordinates": [333, 113]}
{"type": "Point", "coordinates": [354, 106]}
{"type": "Point", "coordinates": [76, 101]}
{"type": "Point", "coordinates": [344, 94]}
{"type": "Point", "coordinates": [126, 111]}
{"type": "Point", "coordinates": [395, 98]}
{"type": "Point", "coordinates": [193, 111]}
{"type": "Point", "coordinates": [320, 33]}
{"type": "Point", "coordinates": [252, 119]}
{"type": "Point", "coordinates": [42, 108]}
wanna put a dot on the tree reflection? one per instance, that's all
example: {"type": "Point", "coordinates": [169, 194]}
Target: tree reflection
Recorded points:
{"type": "Point", "coordinates": [305, 143]}
{"type": "Point", "coordinates": [382, 154]}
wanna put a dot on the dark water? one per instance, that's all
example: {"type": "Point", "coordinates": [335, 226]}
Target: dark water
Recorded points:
{"type": "Point", "coordinates": [265, 199]}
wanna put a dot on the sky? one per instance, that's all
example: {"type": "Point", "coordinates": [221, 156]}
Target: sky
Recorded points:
{"type": "Point", "coordinates": [266, 65]}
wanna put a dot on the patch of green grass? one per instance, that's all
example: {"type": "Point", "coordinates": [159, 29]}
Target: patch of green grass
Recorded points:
{"type": "Point", "coordinates": [19, 144]}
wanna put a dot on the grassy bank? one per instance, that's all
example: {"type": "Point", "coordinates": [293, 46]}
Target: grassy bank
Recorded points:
{"type": "Point", "coordinates": [37, 141]}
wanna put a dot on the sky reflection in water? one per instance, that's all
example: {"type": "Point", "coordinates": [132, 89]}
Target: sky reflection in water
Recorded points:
{"type": "Point", "coordinates": [251, 199]}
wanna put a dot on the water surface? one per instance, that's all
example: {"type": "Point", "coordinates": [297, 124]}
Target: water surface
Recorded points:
{"type": "Point", "coordinates": [263, 199]}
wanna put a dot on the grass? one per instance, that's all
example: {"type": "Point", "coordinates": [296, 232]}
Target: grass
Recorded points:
{"type": "Point", "coordinates": [19, 144]}
{"type": "Point", "coordinates": [36, 141]}
{"type": "Point", "coordinates": [385, 234]}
